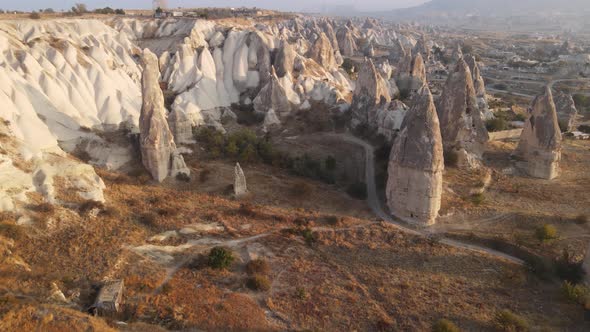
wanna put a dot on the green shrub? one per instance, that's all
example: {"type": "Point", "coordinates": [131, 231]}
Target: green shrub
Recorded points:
{"type": "Point", "coordinates": [309, 236]}
{"type": "Point", "coordinates": [445, 325]}
{"type": "Point", "coordinates": [357, 190]}
{"type": "Point", "coordinates": [257, 266]}
{"type": "Point", "coordinates": [148, 219]}
{"type": "Point", "coordinates": [575, 293]}
{"type": "Point", "coordinates": [183, 177]}
{"type": "Point", "coordinates": [348, 66]}
{"type": "Point", "coordinates": [301, 293]}
{"type": "Point", "coordinates": [496, 124]}
{"type": "Point", "coordinates": [477, 199]}
{"type": "Point", "coordinates": [220, 258]}
{"type": "Point", "coordinates": [506, 320]}
{"type": "Point", "coordinates": [546, 233]}
{"type": "Point", "coordinates": [258, 283]}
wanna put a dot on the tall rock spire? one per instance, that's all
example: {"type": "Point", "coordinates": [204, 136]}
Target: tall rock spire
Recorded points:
{"type": "Point", "coordinates": [539, 149]}
{"type": "Point", "coordinates": [414, 186]}
{"type": "Point", "coordinates": [461, 123]}
{"type": "Point", "coordinates": [158, 151]}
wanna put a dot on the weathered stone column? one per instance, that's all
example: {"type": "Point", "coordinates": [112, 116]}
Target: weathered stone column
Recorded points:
{"type": "Point", "coordinates": [414, 186]}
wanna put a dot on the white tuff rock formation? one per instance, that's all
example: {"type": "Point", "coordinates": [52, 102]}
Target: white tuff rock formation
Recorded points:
{"type": "Point", "coordinates": [272, 96]}
{"type": "Point", "coordinates": [566, 110]}
{"type": "Point", "coordinates": [240, 187]}
{"type": "Point", "coordinates": [158, 151]}
{"type": "Point", "coordinates": [539, 150]}
{"type": "Point", "coordinates": [414, 186]}
{"type": "Point", "coordinates": [371, 90]}
{"type": "Point", "coordinates": [479, 87]}
{"type": "Point", "coordinates": [461, 124]}
{"type": "Point", "coordinates": [323, 53]}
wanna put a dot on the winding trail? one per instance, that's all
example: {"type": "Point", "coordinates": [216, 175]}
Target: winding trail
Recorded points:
{"type": "Point", "coordinates": [375, 205]}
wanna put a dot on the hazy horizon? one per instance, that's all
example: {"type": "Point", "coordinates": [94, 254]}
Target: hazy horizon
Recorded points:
{"type": "Point", "coordinates": [301, 5]}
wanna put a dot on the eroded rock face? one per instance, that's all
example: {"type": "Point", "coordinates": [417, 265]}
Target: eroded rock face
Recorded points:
{"type": "Point", "coordinates": [389, 119]}
{"type": "Point", "coordinates": [371, 90]}
{"type": "Point", "coordinates": [158, 151]}
{"type": "Point", "coordinates": [479, 87]}
{"type": "Point", "coordinates": [323, 53]}
{"type": "Point", "coordinates": [240, 187]}
{"type": "Point", "coordinates": [461, 124]}
{"type": "Point", "coordinates": [539, 150]}
{"type": "Point", "coordinates": [414, 186]}
{"type": "Point", "coordinates": [566, 110]}
{"type": "Point", "coordinates": [180, 125]}
{"type": "Point", "coordinates": [346, 41]}
{"type": "Point", "coordinates": [422, 47]}
{"type": "Point", "coordinates": [285, 59]}
{"type": "Point", "coordinates": [415, 76]}
{"type": "Point", "coordinates": [272, 96]}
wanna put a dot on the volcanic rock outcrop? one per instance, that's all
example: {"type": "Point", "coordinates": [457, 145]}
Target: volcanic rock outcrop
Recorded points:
{"type": "Point", "coordinates": [240, 187]}
{"type": "Point", "coordinates": [285, 59]}
{"type": "Point", "coordinates": [479, 87]}
{"type": "Point", "coordinates": [566, 110]}
{"type": "Point", "coordinates": [462, 127]}
{"type": "Point", "coordinates": [414, 186]}
{"type": "Point", "coordinates": [323, 53]}
{"type": "Point", "coordinates": [539, 150]}
{"type": "Point", "coordinates": [158, 151]}
{"type": "Point", "coordinates": [414, 76]}
{"type": "Point", "coordinates": [371, 90]}
{"type": "Point", "coordinates": [272, 96]}
{"type": "Point", "coordinates": [346, 41]}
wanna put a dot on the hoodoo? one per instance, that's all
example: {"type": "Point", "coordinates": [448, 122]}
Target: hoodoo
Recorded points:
{"type": "Point", "coordinates": [414, 187]}
{"type": "Point", "coordinates": [539, 149]}
{"type": "Point", "coordinates": [461, 124]}
{"type": "Point", "coordinates": [158, 150]}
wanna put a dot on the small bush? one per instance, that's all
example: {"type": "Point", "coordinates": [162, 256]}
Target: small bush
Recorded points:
{"type": "Point", "coordinates": [357, 190]}
{"type": "Point", "coordinates": [575, 293]}
{"type": "Point", "coordinates": [546, 233]}
{"type": "Point", "coordinates": [301, 293]}
{"type": "Point", "coordinates": [445, 325]}
{"type": "Point", "coordinates": [220, 258]}
{"type": "Point", "coordinates": [477, 199]}
{"type": "Point", "coordinates": [496, 124]}
{"type": "Point", "coordinates": [584, 129]}
{"type": "Point", "coordinates": [332, 220]}
{"type": "Point", "coordinates": [451, 158]}
{"type": "Point", "coordinates": [257, 266]}
{"type": "Point", "coordinates": [309, 236]}
{"type": "Point", "coordinates": [148, 219]}
{"type": "Point", "coordinates": [183, 177]}
{"type": "Point", "coordinates": [35, 16]}
{"type": "Point", "coordinates": [258, 283]}
{"type": "Point", "coordinates": [506, 320]}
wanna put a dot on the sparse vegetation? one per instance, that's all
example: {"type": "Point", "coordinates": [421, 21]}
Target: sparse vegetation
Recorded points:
{"type": "Point", "coordinates": [220, 258]}
{"type": "Point", "coordinates": [257, 266]}
{"type": "Point", "coordinates": [546, 233]}
{"type": "Point", "coordinates": [183, 177]}
{"type": "Point", "coordinates": [445, 325]}
{"type": "Point", "coordinates": [576, 293]}
{"type": "Point", "coordinates": [35, 16]}
{"type": "Point", "coordinates": [496, 124]}
{"type": "Point", "coordinates": [478, 199]}
{"type": "Point", "coordinates": [258, 282]}
{"type": "Point", "coordinates": [506, 320]}
{"type": "Point", "coordinates": [301, 189]}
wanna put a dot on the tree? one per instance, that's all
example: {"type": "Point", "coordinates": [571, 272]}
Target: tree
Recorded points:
{"type": "Point", "coordinates": [159, 10]}
{"type": "Point", "coordinates": [49, 10]}
{"type": "Point", "coordinates": [35, 16]}
{"type": "Point", "coordinates": [79, 9]}
{"type": "Point", "coordinates": [119, 12]}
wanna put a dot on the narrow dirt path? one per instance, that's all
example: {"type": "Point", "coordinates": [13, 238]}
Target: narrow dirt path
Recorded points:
{"type": "Point", "coordinates": [375, 205]}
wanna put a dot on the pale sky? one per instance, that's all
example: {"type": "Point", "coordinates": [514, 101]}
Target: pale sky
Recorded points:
{"type": "Point", "coordinates": [293, 5]}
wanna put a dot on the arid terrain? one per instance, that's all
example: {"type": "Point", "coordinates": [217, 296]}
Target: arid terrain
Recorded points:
{"type": "Point", "coordinates": [242, 169]}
